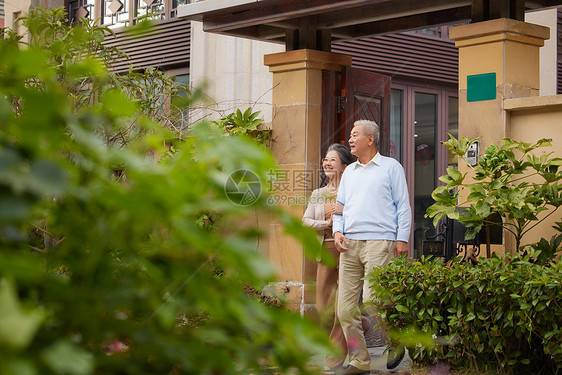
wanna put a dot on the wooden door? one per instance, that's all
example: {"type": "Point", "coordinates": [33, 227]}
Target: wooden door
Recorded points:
{"type": "Point", "coordinates": [353, 95]}
{"type": "Point", "coordinates": [367, 98]}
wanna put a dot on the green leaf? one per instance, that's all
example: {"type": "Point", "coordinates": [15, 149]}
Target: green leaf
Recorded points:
{"type": "Point", "coordinates": [65, 357]}
{"type": "Point", "coordinates": [18, 325]}
{"type": "Point", "coordinates": [29, 62]}
{"type": "Point", "coordinates": [116, 103]}
{"type": "Point", "coordinates": [15, 208]}
{"type": "Point", "coordinates": [17, 367]}
{"type": "Point", "coordinates": [47, 178]}
{"type": "Point", "coordinates": [556, 161]}
{"type": "Point", "coordinates": [455, 175]}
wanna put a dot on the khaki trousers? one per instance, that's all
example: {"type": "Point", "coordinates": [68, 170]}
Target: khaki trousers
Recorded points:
{"type": "Point", "coordinates": [356, 263]}
{"type": "Point", "coordinates": [326, 304]}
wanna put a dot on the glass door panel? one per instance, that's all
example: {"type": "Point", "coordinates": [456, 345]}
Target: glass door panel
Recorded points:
{"type": "Point", "coordinates": [396, 123]}
{"type": "Point", "coordinates": [453, 129]}
{"type": "Point", "coordinates": [425, 127]}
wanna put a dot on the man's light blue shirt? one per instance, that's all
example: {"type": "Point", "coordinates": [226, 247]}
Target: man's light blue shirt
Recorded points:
{"type": "Point", "coordinates": [375, 201]}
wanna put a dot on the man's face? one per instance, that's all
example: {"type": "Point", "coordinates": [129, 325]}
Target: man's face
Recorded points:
{"type": "Point", "coordinates": [359, 141]}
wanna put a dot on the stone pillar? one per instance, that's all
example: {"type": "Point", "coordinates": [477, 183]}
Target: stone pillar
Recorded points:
{"type": "Point", "coordinates": [296, 130]}
{"type": "Point", "coordinates": [498, 59]}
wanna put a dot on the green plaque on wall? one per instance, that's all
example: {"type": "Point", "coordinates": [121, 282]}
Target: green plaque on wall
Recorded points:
{"type": "Point", "coordinates": [481, 87]}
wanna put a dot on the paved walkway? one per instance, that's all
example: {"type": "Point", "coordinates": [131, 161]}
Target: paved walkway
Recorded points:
{"type": "Point", "coordinates": [378, 363]}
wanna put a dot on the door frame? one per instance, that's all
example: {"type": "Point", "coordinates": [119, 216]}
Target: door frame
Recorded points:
{"type": "Point", "coordinates": [352, 85]}
{"type": "Point", "coordinates": [408, 139]}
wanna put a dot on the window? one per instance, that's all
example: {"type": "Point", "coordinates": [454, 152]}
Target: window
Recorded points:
{"type": "Point", "coordinates": [116, 12]}
{"type": "Point", "coordinates": [182, 121]}
{"type": "Point", "coordinates": [433, 31]}
{"type": "Point", "coordinates": [440, 32]}
{"type": "Point", "coordinates": [16, 22]}
{"type": "Point", "coordinates": [453, 129]}
{"type": "Point", "coordinates": [81, 9]}
{"type": "Point", "coordinates": [119, 13]}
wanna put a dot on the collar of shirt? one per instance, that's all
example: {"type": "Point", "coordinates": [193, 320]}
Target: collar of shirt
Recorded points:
{"type": "Point", "coordinates": [375, 160]}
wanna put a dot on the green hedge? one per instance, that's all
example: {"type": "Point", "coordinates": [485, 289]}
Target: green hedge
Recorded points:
{"type": "Point", "coordinates": [504, 311]}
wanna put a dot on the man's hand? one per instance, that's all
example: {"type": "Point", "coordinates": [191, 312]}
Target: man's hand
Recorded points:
{"type": "Point", "coordinates": [400, 248]}
{"type": "Point", "coordinates": [341, 242]}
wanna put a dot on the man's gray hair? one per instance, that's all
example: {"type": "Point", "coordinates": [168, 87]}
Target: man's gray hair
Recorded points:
{"type": "Point", "coordinates": [371, 128]}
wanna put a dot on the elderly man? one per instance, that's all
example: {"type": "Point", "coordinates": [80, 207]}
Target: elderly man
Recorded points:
{"type": "Point", "coordinates": [373, 228]}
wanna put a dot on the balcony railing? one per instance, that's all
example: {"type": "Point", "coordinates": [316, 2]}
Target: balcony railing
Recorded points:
{"type": "Point", "coordinates": [119, 13]}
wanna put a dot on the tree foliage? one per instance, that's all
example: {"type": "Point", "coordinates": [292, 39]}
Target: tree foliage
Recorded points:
{"type": "Point", "coordinates": [81, 60]}
{"type": "Point", "coordinates": [105, 267]}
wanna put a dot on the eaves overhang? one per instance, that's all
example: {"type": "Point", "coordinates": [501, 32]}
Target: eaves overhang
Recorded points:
{"type": "Point", "coordinates": [284, 20]}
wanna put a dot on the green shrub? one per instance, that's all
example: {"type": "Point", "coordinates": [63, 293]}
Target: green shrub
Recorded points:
{"type": "Point", "coordinates": [510, 180]}
{"type": "Point", "coordinates": [504, 310]}
{"type": "Point", "coordinates": [246, 122]}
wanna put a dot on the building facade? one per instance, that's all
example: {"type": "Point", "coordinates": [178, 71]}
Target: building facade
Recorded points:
{"type": "Point", "coordinates": [422, 66]}
{"type": "Point", "coordinates": [2, 15]}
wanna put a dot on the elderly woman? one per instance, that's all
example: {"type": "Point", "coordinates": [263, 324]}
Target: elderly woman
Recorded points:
{"type": "Point", "coordinates": [322, 206]}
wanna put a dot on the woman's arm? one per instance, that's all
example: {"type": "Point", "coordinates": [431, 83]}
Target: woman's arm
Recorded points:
{"type": "Point", "coordinates": [309, 217]}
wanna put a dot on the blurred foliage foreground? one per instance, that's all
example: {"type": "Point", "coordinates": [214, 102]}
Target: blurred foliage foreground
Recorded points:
{"type": "Point", "coordinates": [104, 265]}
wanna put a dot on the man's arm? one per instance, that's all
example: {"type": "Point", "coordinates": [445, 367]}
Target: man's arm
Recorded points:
{"type": "Point", "coordinates": [403, 210]}
{"type": "Point", "coordinates": [337, 219]}
{"type": "Point", "coordinates": [337, 223]}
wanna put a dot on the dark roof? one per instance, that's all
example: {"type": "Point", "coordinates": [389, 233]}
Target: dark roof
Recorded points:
{"type": "Point", "coordinates": [279, 20]}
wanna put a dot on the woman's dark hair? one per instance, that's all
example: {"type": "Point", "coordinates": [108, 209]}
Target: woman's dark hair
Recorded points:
{"type": "Point", "coordinates": [345, 155]}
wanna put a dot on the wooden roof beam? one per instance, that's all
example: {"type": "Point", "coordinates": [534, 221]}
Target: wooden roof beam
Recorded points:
{"type": "Point", "coordinates": [483, 10]}
{"type": "Point", "coordinates": [282, 20]}
{"type": "Point", "coordinates": [384, 11]}
{"type": "Point", "coordinates": [279, 10]}
{"type": "Point", "coordinates": [417, 21]}
{"type": "Point", "coordinates": [258, 32]}
{"type": "Point", "coordinates": [538, 4]}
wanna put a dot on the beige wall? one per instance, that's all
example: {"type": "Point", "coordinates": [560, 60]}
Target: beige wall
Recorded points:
{"type": "Point", "coordinates": [23, 6]}
{"type": "Point", "coordinates": [234, 72]}
{"type": "Point", "coordinates": [548, 53]}
{"type": "Point", "coordinates": [531, 119]}
{"type": "Point", "coordinates": [17, 8]}
{"type": "Point", "coordinates": [14, 9]}
{"type": "Point", "coordinates": [511, 49]}
{"type": "Point", "coordinates": [296, 128]}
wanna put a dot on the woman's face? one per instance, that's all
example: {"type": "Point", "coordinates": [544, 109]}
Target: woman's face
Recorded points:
{"type": "Point", "coordinates": [332, 164]}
